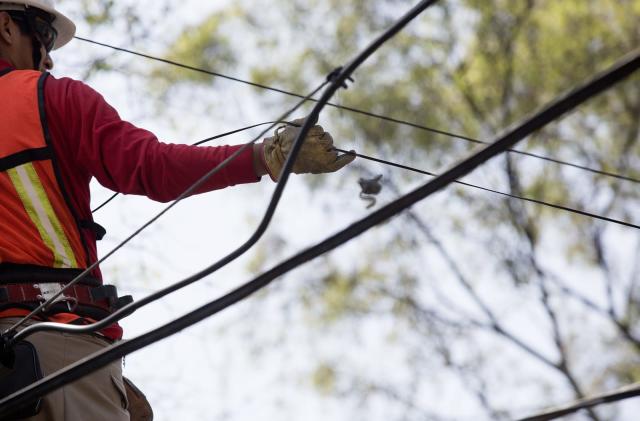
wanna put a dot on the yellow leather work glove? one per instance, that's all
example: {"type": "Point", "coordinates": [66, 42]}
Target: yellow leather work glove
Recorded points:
{"type": "Point", "coordinates": [316, 156]}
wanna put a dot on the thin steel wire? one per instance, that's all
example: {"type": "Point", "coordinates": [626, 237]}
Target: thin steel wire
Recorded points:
{"type": "Point", "coordinates": [551, 112]}
{"type": "Point", "coordinates": [125, 310]}
{"type": "Point", "coordinates": [209, 139]}
{"type": "Point", "coordinates": [523, 198]}
{"type": "Point", "coordinates": [365, 113]}
{"type": "Point", "coordinates": [338, 79]}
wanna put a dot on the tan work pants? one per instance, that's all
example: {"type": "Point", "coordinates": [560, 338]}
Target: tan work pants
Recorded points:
{"type": "Point", "coordinates": [100, 396]}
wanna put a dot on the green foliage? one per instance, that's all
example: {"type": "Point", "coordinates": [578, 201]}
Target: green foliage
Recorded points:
{"type": "Point", "coordinates": [324, 379]}
{"type": "Point", "coordinates": [98, 13]}
{"type": "Point", "coordinates": [472, 67]}
{"type": "Point", "coordinates": [340, 294]}
{"type": "Point", "coordinates": [205, 45]}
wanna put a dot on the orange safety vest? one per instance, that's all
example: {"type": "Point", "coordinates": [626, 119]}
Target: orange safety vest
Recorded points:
{"type": "Point", "coordinates": [37, 224]}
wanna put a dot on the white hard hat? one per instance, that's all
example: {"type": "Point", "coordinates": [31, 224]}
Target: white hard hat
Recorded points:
{"type": "Point", "coordinates": [65, 27]}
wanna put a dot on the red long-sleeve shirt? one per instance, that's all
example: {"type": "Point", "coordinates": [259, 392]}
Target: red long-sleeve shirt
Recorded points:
{"type": "Point", "coordinates": [91, 140]}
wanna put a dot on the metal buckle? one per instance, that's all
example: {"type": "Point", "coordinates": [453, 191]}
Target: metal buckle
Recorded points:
{"type": "Point", "coordinates": [50, 290]}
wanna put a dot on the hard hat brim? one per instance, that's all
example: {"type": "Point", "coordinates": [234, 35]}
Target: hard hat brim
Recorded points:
{"type": "Point", "coordinates": [66, 30]}
{"type": "Point", "coordinates": [63, 25]}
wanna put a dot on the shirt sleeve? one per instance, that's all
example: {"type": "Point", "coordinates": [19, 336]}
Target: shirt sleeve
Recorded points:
{"type": "Point", "coordinates": [131, 160]}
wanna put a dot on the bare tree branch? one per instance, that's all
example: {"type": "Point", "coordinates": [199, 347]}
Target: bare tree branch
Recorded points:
{"type": "Point", "coordinates": [493, 324]}
{"type": "Point", "coordinates": [522, 222]}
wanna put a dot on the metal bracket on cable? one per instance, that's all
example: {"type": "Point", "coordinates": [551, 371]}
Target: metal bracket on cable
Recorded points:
{"type": "Point", "coordinates": [335, 73]}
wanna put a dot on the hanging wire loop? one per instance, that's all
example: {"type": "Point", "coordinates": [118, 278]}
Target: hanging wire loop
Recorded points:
{"type": "Point", "coordinates": [498, 192]}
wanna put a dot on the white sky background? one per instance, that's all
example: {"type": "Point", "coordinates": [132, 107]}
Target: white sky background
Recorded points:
{"type": "Point", "coordinates": [206, 371]}
{"type": "Point", "coordinates": [232, 366]}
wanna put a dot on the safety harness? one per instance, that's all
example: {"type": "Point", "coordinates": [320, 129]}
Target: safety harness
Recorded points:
{"type": "Point", "coordinates": [41, 247]}
{"type": "Point", "coordinates": [84, 301]}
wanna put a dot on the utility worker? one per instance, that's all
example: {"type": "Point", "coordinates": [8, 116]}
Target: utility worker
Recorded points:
{"type": "Point", "coordinates": [55, 135]}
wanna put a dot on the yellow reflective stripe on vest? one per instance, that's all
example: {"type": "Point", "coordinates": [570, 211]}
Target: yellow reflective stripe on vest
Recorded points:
{"type": "Point", "coordinates": [34, 198]}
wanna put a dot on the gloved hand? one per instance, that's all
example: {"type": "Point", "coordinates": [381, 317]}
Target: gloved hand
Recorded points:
{"type": "Point", "coordinates": [316, 156]}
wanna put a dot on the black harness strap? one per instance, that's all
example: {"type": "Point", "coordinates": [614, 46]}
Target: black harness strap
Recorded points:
{"type": "Point", "coordinates": [20, 158]}
{"type": "Point", "coordinates": [98, 230]}
{"type": "Point", "coordinates": [56, 166]}
{"type": "Point", "coordinates": [13, 273]}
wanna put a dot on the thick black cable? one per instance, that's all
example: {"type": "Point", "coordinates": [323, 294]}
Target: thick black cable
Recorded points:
{"type": "Point", "coordinates": [630, 391]}
{"type": "Point", "coordinates": [338, 80]}
{"type": "Point", "coordinates": [560, 106]}
{"type": "Point", "coordinates": [523, 198]}
{"type": "Point", "coordinates": [209, 139]}
{"type": "Point", "coordinates": [128, 309]}
{"type": "Point", "coordinates": [367, 113]}
{"type": "Point", "coordinates": [105, 203]}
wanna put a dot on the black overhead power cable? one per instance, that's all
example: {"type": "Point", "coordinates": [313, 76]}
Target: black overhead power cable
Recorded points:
{"type": "Point", "coordinates": [338, 79]}
{"type": "Point", "coordinates": [366, 113]}
{"type": "Point", "coordinates": [560, 106]}
{"type": "Point", "coordinates": [128, 309]}
{"type": "Point", "coordinates": [625, 392]}
{"type": "Point", "coordinates": [209, 139]}
{"type": "Point", "coordinates": [475, 186]}
{"type": "Point", "coordinates": [11, 332]}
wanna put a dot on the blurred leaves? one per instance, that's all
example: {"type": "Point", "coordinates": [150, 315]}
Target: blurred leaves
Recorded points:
{"type": "Point", "coordinates": [472, 67]}
{"type": "Point", "coordinates": [324, 379]}
{"type": "Point", "coordinates": [204, 46]}
{"type": "Point", "coordinates": [98, 13]}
